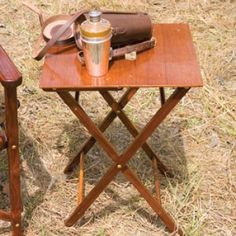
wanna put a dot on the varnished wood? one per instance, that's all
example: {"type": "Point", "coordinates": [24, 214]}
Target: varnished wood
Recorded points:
{"type": "Point", "coordinates": [156, 180]}
{"type": "Point", "coordinates": [92, 195]}
{"type": "Point", "coordinates": [124, 158]}
{"type": "Point", "coordinates": [132, 129]}
{"type": "Point", "coordinates": [172, 63]}
{"type": "Point", "coordinates": [154, 204]}
{"type": "Point", "coordinates": [87, 122]}
{"type": "Point", "coordinates": [162, 95]}
{"type": "Point", "coordinates": [81, 179]}
{"type": "Point", "coordinates": [156, 120]}
{"type": "Point", "coordinates": [13, 158]}
{"type": "Point", "coordinates": [3, 141]}
{"type": "Point", "coordinates": [9, 75]}
{"type": "Point", "coordinates": [10, 78]}
{"type": "Point", "coordinates": [5, 215]}
{"type": "Point", "coordinates": [103, 126]}
{"type": "Point", "coordinates": [77, 96]}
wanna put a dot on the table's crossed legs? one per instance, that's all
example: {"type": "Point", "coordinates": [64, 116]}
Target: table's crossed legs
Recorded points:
{"type": "Point", "coordinates": [120, 162]}
{"type": "Point", "coordinates": [116, 111]}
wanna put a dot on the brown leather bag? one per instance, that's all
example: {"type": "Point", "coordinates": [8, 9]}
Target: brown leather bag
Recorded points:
{"type": "Point", "coordinates": [128, 27]}
{"type": "Point", "coordinates": [132, 31]}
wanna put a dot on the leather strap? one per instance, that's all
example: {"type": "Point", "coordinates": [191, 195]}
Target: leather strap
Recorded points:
{"type": "Point", "coordinates": [40, 53]}
{"type": "Point", "coordinates": [138, 47]}
{"type": "Point", "coordinates": [119, 52]}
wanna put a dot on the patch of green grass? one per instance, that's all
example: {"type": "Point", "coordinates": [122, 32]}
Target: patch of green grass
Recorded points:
{"type": "Point", "coordinates": [101, 232]}
{"type": "Point", "coordinates": [43, 231]}
{"type": "Point", "coordinates": [3, 162]}
{"type": "Point", "coordinates": [227, 128]}
{"type": "Point", "coordinates": [194, 121]}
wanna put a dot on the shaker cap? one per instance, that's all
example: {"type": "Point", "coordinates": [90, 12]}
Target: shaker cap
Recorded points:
{"type": "Point", "coordinates": [95, 26]}
{"type": "Point", "coordinates": [95, 16]}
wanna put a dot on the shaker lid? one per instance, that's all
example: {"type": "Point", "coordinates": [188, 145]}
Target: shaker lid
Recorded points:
{"type": "Point", "coordinates": [95, 26]}
{"type": "Point", "coordinates": [95, 16]}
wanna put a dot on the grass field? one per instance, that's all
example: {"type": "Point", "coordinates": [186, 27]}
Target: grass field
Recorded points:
{"type": "Point", "coordinates": [197, 141]}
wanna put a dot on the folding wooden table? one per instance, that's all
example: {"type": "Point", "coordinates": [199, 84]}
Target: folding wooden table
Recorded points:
{"type": "Point", "coordinates": [172, 63]}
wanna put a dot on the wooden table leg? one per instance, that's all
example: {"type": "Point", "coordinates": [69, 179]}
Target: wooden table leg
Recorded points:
{"type": "Point", "coordinates": [154, 204]}
{"type": "Point", "coordinates": [162, 96]}
{"type": "Point", "coordinates": [156, 180]}
{"type": "Point", "coordinates": [120, 161]}
{"type": "Point", "coordinates": [134, 132]}
{"type": "Point", "coordinates": [77, 96]}
{"type": "Point", "coordinates": [104, 125]}
{"type": "Point", "coordinates": [81, 179]}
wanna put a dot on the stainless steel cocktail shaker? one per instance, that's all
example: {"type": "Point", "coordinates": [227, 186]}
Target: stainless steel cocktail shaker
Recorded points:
{"type": "Point", "coordinates": [95, 34]}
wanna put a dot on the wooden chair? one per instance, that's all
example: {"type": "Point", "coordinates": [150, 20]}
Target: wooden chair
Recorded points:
{"type": "Point", "coordinates": [10, 78]}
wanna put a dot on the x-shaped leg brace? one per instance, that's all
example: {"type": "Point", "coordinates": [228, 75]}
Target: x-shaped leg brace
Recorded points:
{"type": "Point", "coordinates": [120, 162]}
{"type": "Point", "coordinates": [117, 110]}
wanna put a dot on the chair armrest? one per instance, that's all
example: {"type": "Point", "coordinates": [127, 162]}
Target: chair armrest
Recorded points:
{"type": "Point", "coordinates": [9, 75]}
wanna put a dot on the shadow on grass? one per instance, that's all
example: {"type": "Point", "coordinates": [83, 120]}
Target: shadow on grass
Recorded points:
{"type": "Point", "coordinates": [4, 189]}
{"type": "Point", "coordinates": [35, 174]}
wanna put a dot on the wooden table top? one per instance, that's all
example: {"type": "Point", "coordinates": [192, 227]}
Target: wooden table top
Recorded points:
{"type": "Point", "coordinates": [172, 63]}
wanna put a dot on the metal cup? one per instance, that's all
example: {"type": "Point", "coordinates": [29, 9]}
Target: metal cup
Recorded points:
{"type": "Point", "coordinates": [95, 35]}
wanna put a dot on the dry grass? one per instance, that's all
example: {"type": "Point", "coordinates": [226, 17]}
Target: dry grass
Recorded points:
{"type": "Point", "coordinates": [197, 141]}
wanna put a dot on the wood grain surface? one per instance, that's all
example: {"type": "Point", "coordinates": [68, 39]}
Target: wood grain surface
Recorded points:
{"type": "Point", "coordinates": [10, 78]}
{"type": "Point", "coordinates": [172, 63]}
{"type": "Point", "coordinates": [9, 75]}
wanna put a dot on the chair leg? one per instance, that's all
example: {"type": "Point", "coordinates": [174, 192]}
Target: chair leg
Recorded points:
{"type": "Point", "coordinates": [13, 158]}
